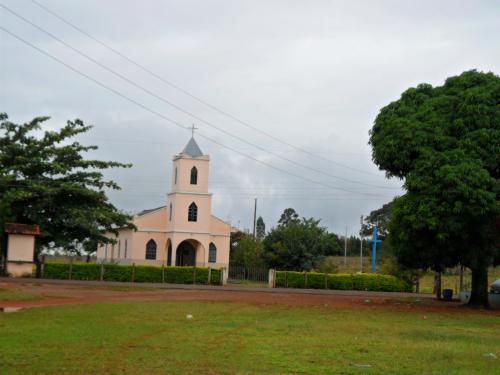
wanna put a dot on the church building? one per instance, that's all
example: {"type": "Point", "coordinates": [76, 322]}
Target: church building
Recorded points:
{"type": "Point", "coordinates": [182, 233]}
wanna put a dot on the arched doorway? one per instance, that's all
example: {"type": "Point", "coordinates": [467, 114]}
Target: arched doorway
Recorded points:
{"type": "Point", "coordinates": [185, 254]}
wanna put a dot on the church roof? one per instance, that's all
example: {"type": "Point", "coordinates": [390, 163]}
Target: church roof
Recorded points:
{"type": "Point", "coordinates": [144, 212]}
{"type": "Point", "coordinates": [192, 149]}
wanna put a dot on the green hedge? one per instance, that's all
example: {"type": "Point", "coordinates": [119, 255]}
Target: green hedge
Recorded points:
{"type": "Point", "coordinates": [140, 274]}
{"type": "Point", "coordinates": [360, 281]}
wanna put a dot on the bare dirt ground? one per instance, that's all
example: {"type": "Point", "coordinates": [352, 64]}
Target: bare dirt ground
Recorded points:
{"type": "Point", "coordinates": [60, 292]}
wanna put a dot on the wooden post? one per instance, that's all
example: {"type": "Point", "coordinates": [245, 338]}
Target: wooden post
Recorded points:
{"type": "Point", "coordinates": [326, 281]}
{"type": "Point", "coordinates": [133, 272]}
{"type": "Point", "coordinates": [70, 268]}
{"type": "Point", "coordinates": [163, 273]}
{"type": "Point", "coordinates": [437, 284]}
{"type": "Point", "coordinates": [209, 276]}
{"type": "Point", "coordinates": [461, 278]}
{"type": "Point", "coordinates": [101, 277]}
{"type": "Point", "coordinates": [42, 267]}
{"type": "Point", "coordinates": [286, 279]}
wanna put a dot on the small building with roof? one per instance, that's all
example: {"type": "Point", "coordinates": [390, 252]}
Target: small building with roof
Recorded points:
{"type": "Point", "coordinates": [183, 232]}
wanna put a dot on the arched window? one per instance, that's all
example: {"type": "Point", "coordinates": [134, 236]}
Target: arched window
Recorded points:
{"type": "Point", "coordinates": [170, 213]}
{"type": "Point", "coordinates": [194, 176]}
{"type": "Point", "coordinates": [151, 250]}
{"type": "Point", "coordinates": [193, 212]}
{"type": "Point", "coordinates": [175, 177]}
{"type": "Point", "coordinates": [212, 253]}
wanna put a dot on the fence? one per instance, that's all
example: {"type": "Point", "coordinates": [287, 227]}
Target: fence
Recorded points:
{"type": "Point", "coordinates": [247, 275]}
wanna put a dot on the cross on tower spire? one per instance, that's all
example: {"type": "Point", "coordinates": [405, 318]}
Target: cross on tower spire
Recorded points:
{"type": "Point", "coordinates": [193, 128]}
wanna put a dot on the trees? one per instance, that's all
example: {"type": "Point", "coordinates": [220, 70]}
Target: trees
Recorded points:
{"type": "Point", "coordinates": [261, 229]}
{"type": "Point", "coordinates": [445, 143]}
{"type": "Point", "coordinates": [45, 180]}
{"type": "Point", "coordinates": [299, 245]}
{"type": "Point", "coordinates": [248, 253]}
{"type": "Point", "coordinates": [288, 216]}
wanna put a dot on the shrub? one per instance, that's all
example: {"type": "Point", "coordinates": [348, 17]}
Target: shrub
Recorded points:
{"type": "Point", "coordinates": [362, 281]}
{"type": "Point", "coordinates": [118, 272]}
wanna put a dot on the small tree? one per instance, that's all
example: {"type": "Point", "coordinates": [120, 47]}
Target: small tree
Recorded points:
{"type": "Point", "coordinates": [289, 216]}
{"type": "Point", "coordinates": [300, 245]}
{"type": "Point", "coordinates": [248, 253]}
{"type": "Point", "coordinates": [261, 229]}
{"type": "Point", "coordinates": [45, 180]}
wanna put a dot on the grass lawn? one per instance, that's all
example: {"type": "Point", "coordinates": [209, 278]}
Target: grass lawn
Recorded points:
{"type": "Point", "coordinates": [237, 338]}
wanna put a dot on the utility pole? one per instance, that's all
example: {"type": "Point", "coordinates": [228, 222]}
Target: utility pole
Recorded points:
{"type": "Point", "coordinates": [361, 245]}
{"type": "Point", "coordinates": [254, 217]}
{"type": "Point", "coordinates": [345, 246]}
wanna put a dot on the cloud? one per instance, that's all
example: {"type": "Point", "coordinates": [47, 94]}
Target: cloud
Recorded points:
{"type": "Point", "coordinates": [314, 74]}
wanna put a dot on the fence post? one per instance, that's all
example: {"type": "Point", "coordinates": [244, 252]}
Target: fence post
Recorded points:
{"type": "Point", "coordinates": [286, 279]}
{"type": "Point", "coordinates": [272, 278]}
{"type": "Point", "coordinates": [326, 281]}
{"type": "Point", "coordinates": [101, 277]}
{"type": "Point", "coordinates": [163, 273]}
{"type": "Point", "coordinates": [194, 274]}
{"type": "Point", "coordinates": [223, 275]}
{"type": "Point", "coordinates": [305, 280]}
{"type": "Point", "coordinates": [42, 267]}
{"type": "Point", "coordinates": [133, 272]}
{"type": "Point", "coordinates": [70, 268]}
{"type": "Point", "coordinates": [209, 276]}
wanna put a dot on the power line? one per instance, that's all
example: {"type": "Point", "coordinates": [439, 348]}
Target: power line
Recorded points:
{"type": "Point", "coordinates": [149, 92]}
{"type": "Point", "coordinates": [139, 104]}
{"type": "Point", "coordinates": [198, 99]}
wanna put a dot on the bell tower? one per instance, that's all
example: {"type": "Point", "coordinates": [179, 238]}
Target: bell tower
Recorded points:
{"type": "Point", "coordinates": [189, 202]}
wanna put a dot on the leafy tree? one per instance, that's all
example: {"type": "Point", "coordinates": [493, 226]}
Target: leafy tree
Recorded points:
{"type": "Point", "coordinates": [288, 216]}
{"type": "Point", "coordinates": [300, 245]}
{"type": "Point", "coordinates": [46, 180]}
{"type": "Point", "coordinates": [445, 143]}
{"type": "Point", "coordinates": [261, 229]}
{"type": "Point", "coordinates": [248, 253]}
{"type": "Point", "coordinates": [380, 217]}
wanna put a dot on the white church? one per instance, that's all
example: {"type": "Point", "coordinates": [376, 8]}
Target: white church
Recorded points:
{"type": "Point", "coordinates": [182, 233]}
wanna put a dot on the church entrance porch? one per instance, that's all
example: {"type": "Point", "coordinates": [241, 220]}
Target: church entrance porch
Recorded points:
{"type": "Point", "coordinates": [186, 253]}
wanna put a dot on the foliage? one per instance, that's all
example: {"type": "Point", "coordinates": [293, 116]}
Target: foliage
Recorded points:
{"type": "Point", "coordinates": [289, 216]}
{"type": "Point", "coordinates": [248, 253]}
{"type": "Point", "coordinates": [299, 245]}
{"type": "Point", "coordinates": [116, 272]}
{"type": "Point", "coordinates": [45, 180]}
{"type": "Point", "coordinates": [360, 281]}
{"type": "Point", "coordinates": [260, 229]}
{"type": "Point", "coordinates": [445, 143]}
{"type": "Point", "coordinates": [380, 217]}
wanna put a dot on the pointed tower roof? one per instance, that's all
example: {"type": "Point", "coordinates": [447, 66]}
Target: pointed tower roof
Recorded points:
{"type": "Point", "coordinates": [192, 149]}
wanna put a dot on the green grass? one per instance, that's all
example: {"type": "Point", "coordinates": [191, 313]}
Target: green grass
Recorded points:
{"type": "Point", "coordinates": [238, 338]}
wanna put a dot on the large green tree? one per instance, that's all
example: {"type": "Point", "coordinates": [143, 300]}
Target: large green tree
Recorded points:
{"type": "Point", "coordinates": [300, 245]}
{"type": "Point", "coordinates": [45, 180]}
{"type": "Point", "coordinates": [444, 142]}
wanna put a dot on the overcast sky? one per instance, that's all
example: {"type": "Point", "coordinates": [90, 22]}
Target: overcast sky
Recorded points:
{"type": "Point", "coordinates": [313, 74]}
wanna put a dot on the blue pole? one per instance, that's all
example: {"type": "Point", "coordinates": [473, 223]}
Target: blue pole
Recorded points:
{"type": "Point", "coordinates": [375, 241]}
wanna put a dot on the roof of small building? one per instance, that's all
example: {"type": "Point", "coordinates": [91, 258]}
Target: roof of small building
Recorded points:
{"type": "Point", "coordinates": [144, 212]}
{"type": "Point", "coordinates": [16, 228]}
{"type": "Point", "coordinates": [192, 149]}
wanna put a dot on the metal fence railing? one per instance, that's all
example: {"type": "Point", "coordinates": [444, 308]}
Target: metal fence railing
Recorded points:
{"type": "Point", "coordinates": [240, 274]}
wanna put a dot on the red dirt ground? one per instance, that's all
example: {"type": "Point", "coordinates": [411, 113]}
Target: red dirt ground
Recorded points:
{"type": "Point", "coordinates": [61, 293]}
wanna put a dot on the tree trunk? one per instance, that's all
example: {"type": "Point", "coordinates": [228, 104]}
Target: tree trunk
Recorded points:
{"type": "Point", "coordinates": [479, 292]}
{"type": "Point", "coordinates": [437, 284]}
